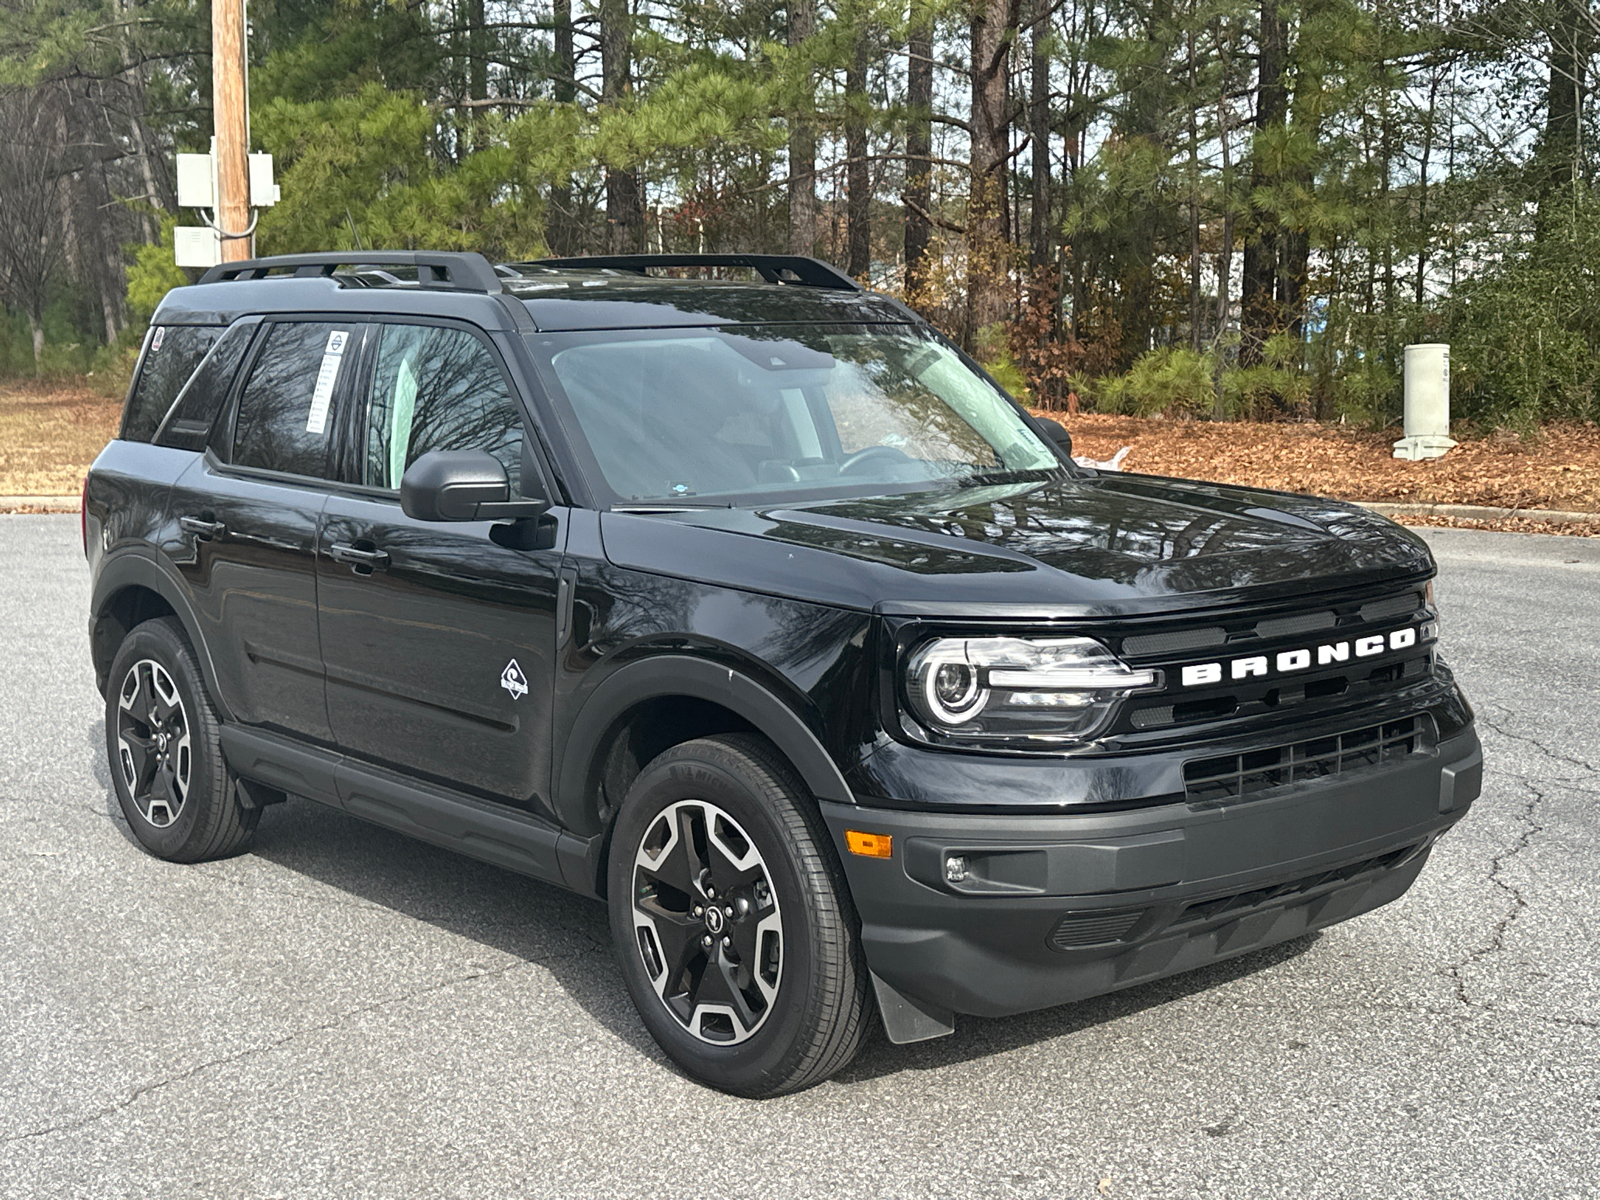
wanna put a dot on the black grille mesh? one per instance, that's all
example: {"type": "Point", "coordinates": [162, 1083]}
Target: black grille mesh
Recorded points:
{"type": "Point", "coordinates": [1092, 929]}
{"type": "Point", "coordinates": [1234, 776]}
{"type": "Point", "coordinates": [1223, 906]}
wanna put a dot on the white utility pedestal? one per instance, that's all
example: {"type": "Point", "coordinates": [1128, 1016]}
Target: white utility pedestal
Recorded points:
{"type": "Point", "coordinates": [1427, 383]}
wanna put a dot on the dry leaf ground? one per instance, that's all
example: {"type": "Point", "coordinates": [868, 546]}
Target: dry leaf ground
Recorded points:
{"type": "Point", "coordinates": [1557, 469]}
{"type": "Point", "coordinates": [49, 434]}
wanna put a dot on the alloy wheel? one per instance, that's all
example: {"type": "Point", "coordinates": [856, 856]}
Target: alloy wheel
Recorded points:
{"type": "Point", "coordinates": [153, 742]}
{"type": "Point", "coordinates": [707, 922]}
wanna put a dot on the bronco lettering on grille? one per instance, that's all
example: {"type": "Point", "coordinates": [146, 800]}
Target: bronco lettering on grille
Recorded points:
{"type": "Point", "coordinates": [1286, 662]}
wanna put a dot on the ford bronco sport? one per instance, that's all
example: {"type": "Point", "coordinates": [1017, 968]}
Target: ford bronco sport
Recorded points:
{"type": "Point", "coordinates": [754, 608]}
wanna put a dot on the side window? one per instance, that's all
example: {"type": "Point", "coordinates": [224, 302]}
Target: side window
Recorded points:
{"type": "Point", "coordinates": [284, 420]}
{"type": "Point", "coordinates": [437, 389]}
{"type": "Point", "coordinates": [170, 358]}
{"type": "Point", "coordinates": [190, 418]}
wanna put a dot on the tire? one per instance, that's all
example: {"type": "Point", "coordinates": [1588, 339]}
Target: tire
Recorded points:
{"type": "Point", "coordinates": [778, 1001]}
{"type": "Point", "coordinates": [166, 761]}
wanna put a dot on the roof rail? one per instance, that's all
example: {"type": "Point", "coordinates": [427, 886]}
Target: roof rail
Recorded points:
{"type": "Point", "coordinates": [445, 270]}
{"type": "Point", "coordinates": [774, 268]}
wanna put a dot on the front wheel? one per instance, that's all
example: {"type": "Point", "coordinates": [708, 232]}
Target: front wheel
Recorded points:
{"type": "Point", "coordinates": [733, 925]}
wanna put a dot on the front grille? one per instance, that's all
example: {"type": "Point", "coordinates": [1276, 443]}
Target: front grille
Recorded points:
{"type": "Point", "coordinates": [1247, 696]}
{"type": "Point", "coordinates": [1203, 911]}
{"type": "Point", "coordinates": [1234, 776]}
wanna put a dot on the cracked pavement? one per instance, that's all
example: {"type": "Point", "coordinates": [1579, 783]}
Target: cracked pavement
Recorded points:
{"type": "Point", "coordinates": [341, 1012]}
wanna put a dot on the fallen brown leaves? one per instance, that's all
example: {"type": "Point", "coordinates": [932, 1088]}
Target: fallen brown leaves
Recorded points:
{"type": "Point", "coordinates": [49, 434]}
{"type": "Point", "coordinates": [1557, 469]}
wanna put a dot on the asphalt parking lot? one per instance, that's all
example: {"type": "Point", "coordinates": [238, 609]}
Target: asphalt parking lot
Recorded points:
{"type": "Point", "coordinates": [341, 1012]}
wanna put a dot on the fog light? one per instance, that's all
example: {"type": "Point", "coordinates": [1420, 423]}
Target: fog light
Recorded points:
{"type": "Point", "coordinates": [955, 868]}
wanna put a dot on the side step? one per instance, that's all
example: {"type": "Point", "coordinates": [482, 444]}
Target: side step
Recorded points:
{"type": "Point", "coordinates": [478, 828]}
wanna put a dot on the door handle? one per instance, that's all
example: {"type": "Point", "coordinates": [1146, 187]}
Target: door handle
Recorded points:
{"type": "Point", "coordinates": [362, 562]}
{"type": "Point", "coordinates": [202, 529]}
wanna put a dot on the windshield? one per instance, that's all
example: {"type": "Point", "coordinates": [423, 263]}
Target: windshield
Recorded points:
{"type": "Point", "coordinates": [719, 415]}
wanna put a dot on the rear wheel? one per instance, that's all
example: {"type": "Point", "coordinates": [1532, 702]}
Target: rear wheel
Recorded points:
{"type": "Point", "coordinates": [733, 925]}
{"type": "Point", "coordinates": [166, 762]}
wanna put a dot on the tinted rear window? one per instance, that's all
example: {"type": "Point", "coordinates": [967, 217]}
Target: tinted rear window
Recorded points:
{"type": "Point", "coordinates": [286, 410]}
{"type": "Point", "coordinates": [190, 418]}
{"type": "Point", "coordinates": [170, 358]}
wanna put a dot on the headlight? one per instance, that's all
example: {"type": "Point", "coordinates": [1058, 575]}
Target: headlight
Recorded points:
{"type": "Point", "coordinates": [998, 690]}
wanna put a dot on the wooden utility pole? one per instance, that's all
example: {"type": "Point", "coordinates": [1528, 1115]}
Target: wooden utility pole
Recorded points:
{"type": "Point", "coordinates": [231, 121]}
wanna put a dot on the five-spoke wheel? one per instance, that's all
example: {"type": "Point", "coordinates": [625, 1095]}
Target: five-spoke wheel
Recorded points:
{"type": "Point", "coordinates": [154, 750]}
{"type": "Point", "coordinates": [709, 925]}
{"type": "Point", "coordinates": [733, 923]}
{"type": "Point", "coordinates": [163, 743]}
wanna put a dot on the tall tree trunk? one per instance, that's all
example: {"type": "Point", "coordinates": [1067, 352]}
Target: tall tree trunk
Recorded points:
{"type": "Point", "coordinates": [1294, 274]}
{"type": "Point", "coordinates": [1192, 102]}
{"type": "Point", "coordinates": [477, 55]}
{"type": "Point", "coordinates": [36, 331]}
{"type": "Point", "coordinates": [994, 26]}
{"type": "Point", "coordinates": [624, 213]}
{"type": "Point", "coordinates": [1424, 236]}
{"type": "Point", "coordinates": [1570, 39]}
{"type": "Point", "coordinates": [561, 228]}
{"type": "Point", "coordinates": [1259, 317]}
{"type": "Point", "coordinates": [918, 195]}
{"type": "Point", "coordinates": [1039, 249]}
{"type": "Point", "coordinates": [1150, 97]}
{"type": "Point", "coordinates": [858, 179]}
{"type": "Point", "coordinates": [802, 143]}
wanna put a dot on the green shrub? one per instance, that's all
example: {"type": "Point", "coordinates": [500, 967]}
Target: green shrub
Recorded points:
{"type": "Point", "coordinates": [992, 349]}
{"type": "Point", "coordinates": [1173, 381]}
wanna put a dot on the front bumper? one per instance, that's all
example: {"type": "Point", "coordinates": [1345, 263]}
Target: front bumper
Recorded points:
{"type": "Point", "coordinates": [1060, 908]}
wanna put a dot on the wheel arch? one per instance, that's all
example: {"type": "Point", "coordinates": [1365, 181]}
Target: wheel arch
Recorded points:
{"type": "Point", "coordinates": [690, 697]}
{"type": "Point", "coordinates": [129, 590]}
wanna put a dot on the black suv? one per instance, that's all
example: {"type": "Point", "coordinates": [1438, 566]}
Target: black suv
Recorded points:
{"type": "Point", "coordinates": [758, 610]}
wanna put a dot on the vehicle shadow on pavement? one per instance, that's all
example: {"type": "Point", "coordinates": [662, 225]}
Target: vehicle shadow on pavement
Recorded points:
{"type": "Point", "coordinates": [567, 934]}
{"type": "Point", "coordinates": [979, 1037]}
{"type": "Point", "coordinates": [570, 936]}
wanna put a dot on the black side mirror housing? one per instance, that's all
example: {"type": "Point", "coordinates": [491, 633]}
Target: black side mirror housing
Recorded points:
{"type": "Point", "coordinates": [1057, 433]}
{"type": "Point", "coordinates": [463, 485]}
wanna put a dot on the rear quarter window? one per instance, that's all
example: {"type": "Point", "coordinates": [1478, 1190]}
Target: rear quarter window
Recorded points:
{"type": "Point", "coordinates": [171, 355]}
{"type": "Point", "coordinates": [189, 421]}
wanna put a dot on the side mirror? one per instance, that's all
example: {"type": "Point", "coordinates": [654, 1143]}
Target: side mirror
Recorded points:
{"type": "Point", "coordinates": [462, 485]}
{"type": "Point", "coordinates": [1057, 433]}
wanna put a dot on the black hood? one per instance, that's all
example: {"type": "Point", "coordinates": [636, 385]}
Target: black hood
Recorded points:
{"type": "Point", "coordinates": [1093, 545]}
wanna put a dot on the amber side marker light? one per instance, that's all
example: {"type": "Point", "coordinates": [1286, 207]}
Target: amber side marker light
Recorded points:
{"type": "Point", "coordinates": [869, 845]}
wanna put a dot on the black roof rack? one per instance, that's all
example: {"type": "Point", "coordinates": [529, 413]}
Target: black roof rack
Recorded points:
{"type": "Point", "coordinates": [774, 268]}
{"type": "Point", "coordinates": [445, 270]}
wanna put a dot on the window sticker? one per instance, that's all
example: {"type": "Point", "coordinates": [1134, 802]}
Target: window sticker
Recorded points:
{"type": "Point", "coordinates": [326, 378]}
{"type": "Point", "coordinates": [155, 342]}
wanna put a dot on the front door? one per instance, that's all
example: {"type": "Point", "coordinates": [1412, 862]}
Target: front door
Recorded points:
{"type": "Point", "coordinates": [438, 641]}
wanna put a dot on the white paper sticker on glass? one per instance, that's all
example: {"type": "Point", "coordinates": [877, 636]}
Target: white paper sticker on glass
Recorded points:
{"type": "Point", "coordinates": [326, 378]}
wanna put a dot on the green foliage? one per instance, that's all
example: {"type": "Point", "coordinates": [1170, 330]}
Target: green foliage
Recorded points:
{"type": "Point", "coordinates": [153, 274]}
{"type": "Point", "coordinates": [1170, 381]}
{"type": "Point", "coordinates": [991, 347]}
{"type": "Point", "coordinates": [1525, 338]}
{"type": "Point", "coordinates": [361, 165]}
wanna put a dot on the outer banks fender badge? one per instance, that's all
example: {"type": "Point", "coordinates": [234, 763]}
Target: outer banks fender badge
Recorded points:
{"type": "Point", "coordinates": [514, 681]}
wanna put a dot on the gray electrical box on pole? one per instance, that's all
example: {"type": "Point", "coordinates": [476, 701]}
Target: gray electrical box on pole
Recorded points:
{"type": "Point", "coordinates": [1427, 390]}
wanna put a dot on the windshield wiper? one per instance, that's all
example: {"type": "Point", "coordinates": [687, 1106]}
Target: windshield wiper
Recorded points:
{"type": "Point", "coordinates": [669, 506]}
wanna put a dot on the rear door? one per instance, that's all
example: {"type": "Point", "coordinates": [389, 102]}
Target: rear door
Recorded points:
{"type": "Point", "coordinates": [248, 514]}
{"type": "Point", "coordinates": [438, 640]}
